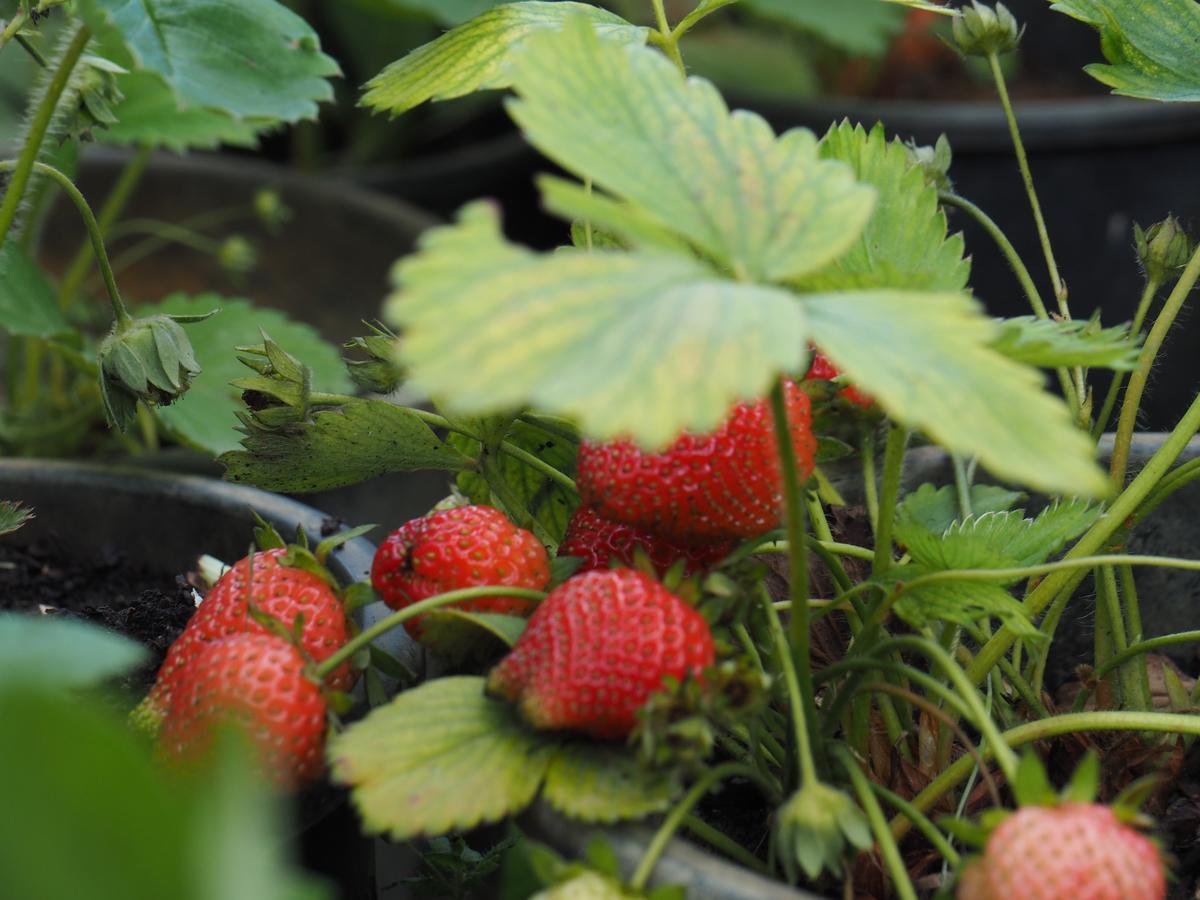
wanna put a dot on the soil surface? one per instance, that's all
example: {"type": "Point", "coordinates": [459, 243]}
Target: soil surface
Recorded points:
{"type": "Point", "coordinates": [148, 607]}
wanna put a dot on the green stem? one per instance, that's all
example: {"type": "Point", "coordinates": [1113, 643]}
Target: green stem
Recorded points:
{"type": "Point", "coordinates": [114, 205]}
{"type": "Point", "coordinates": [1027, 176]}
{"type": "Point", "coordinates": [675, 819]}
{"type": "Point", "coordinates": [962, 486]}
{"type": "Point", "coordinates": [727, 845]}
{"type": "Point", "coordinates": [1177, 478]}
{"type": "Point", "coordinates": [870, 488]}
{"type": "Point", "coordinates": [396, 619]}
{"type": "Point", "coordinates": [889, 494]}
{"type": "Point", "coordinates": [38, 126]}
{"type": "Point", "coordinates": [1137, 381]}
{"type": "Point", "coordinates": [901, 882]}
{"type": "Point", "coordinates": [922, 823]}
{"type": "Point", "coordinates": [696, 15]}
{"type": "Point", "coordinates": [798, 581]}
{"type": "Point", "coordinates": [1118, 380]}
{"type": "Point", "coordinates": [1055, 726]}
{"type": "Point", "coordinates": [34, 53]}
{"type": "Point", "coordinates": [15, 24]}
{"type": "Point", "coordinates": [1133, 650]}
{"type": "Point", "coordinates": [120, 314]}
{"type": "Point", "coordinates": [797, 701]}
{"type": "Point", "coordinates": [666, 39]}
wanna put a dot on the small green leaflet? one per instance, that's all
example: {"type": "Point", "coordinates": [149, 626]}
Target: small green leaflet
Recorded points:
{"type": "Point", "coordinates": [354, 442]}
{"type": "Point", "coordinates": [858, 27]}
{"type": "Point", "coordinates": [934, 509]}
{"type": "Point", "coordinates": [13, 516]}
{"type": "Point", "coordinates": [640, 344]}
{"type": "Point", "coordinates": [1150, 45]}
{"type": "Point", "coordinates": [206, 416]}
{"type": "Point", "coordinates": [446, 757]}
{"type": "Point", "coordinates": [58, 652]}
{"type": "Point", "coordinates": [28, 305]}
{"type": "Point", "coordinates": [1048, 343]}
{"type": "Point", "coordinates": [905, 244]}
{"type": "Point", "coordinates": [251, 58]}
{"type": "Point", "coordinates": [927, 359]}
{"type": "Point", "coordinates": [476, 56]}
{"type": "Point", "coordinates": [764, 207]}
{"type": "Point", "coordinates": [957, 600]}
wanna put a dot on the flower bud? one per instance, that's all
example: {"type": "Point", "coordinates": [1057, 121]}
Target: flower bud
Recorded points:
{"type": "Point", "coordinates": [270, 209]}
{"type": "Point", "coordinates": [1163, 249]}
{"type": "Point", "coordinates": [379, 373]}
{"type": "Point", "coordinates": [982, 31]}
{"type": "Point", "coordinates": [934, 162]}
{"type": "Point", "coordinates": [151, 360]}
{"type": "Point", "coordinates": [237, 255]}
{"type": "Point", "coordinates": [814, 826]}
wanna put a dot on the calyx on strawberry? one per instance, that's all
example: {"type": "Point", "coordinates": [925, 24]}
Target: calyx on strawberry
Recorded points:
{"type": "Point", "coordinates": [822, 369]}
{"type": "Point", "coordinates": [258, 683]}
{"type": "Point", "coordinates": [461, 547]}
{"type": "Point", "coordinates": [278, 591]}
{"type": "Point", "coordinates": [598, 542]}
{"type": "Point", "coordinates": [703, 488]}
{"type": "Point", "coordinates": [597, 648]}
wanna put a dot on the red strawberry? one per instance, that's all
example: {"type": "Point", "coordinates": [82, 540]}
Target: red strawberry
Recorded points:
{"type": "Point", "coordinates": [823, 370]}
{"type": "Point", "coordinates": [279, 591]}
{"type": "Point", "coordinates": [598, 541]}
{"type": "Point", "coordinates": [255, 681]}
{"type": "Point", "coordinates": [468, 546]}
{"type": "Point", "coordinates": [595, 650]}
{"type": "Point", "coordinates": [1075, 851]}
{"type": "Point", "coordinates": [703, 488]}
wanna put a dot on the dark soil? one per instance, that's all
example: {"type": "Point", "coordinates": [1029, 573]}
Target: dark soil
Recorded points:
{"type": "Point", "coordinates": [148, 607]}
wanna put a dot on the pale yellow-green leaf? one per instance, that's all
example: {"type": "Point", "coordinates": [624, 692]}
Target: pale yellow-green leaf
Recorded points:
{"type": "Point", "coordinates": [640, 344]}
{"type": "Point", "coordinates": [441, 757]}
{"type": "Point", "coordinates": [475, 56]}
{"type": "Point", "coordinates": [765, 207]}
{"type": "Point", "coordinates": [926, 359]}
{"type": "Point", "coordinates": [595, 783]}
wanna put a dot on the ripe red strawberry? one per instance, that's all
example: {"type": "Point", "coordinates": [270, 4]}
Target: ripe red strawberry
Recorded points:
{"type": "Point", "coordinates": [257, 682]}
{"type": "Point", "coordinates": [279, 591]}
{"type": "Point", "coordinates": [595, 650]}
{"type": "Point", "coordinates": [597, 541]}
{"type": "Point", "coordinates": [823, 370]}
{"type": "Point", "coordinates": [468, 546]}
{"type": "Point", "coordinates": [1075, 851]}
{"type": "Point", "coordinates": [703, 488]}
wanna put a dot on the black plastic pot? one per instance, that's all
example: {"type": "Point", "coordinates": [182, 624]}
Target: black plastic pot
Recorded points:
{"type": "Point", "coordinates": [1169, 599]}
{"type": "Point", "coordinates": [327, 267]}
{"type": "Point", "coordinates": [162, 522]}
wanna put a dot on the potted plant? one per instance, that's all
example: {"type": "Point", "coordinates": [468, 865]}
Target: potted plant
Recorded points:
{"type": "Point", "coordinates": [649, 397]}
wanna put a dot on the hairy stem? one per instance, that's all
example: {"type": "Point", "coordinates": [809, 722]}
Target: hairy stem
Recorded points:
{"type": "Point", "coordinates": [1118, 378]}
{"type": "Point", "coordinates": [889, 494]}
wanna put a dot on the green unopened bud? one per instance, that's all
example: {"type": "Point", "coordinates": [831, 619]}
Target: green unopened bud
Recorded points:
{"type": "Point", "coordinates": [982, 31]}
{"type": "Point", "coordinates": [150, 360]}
{"type": "Point", "coordinates": [379, 372]}
{"type": "Point", "coordinates": [270, 209]}
{"type": "Point", "coordinates": [814, 827]}
{"type": "Point", "coordinates": [934, 162]}
{"type": "Point", "coordinates": [1163, 249]}
{"type": "Point", "coordinates": [236, 255]}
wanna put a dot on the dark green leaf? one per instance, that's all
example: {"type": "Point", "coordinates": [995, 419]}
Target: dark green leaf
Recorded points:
{"type": "Point", "coordinates": [595, 783]}
{"type": "Point", "coordinates": [357, 441]}
{"type": "Point", "coordinates": [1150, 45]}
{"type": "Point", "coordinates": [150, 115]}
{"type": "Point", "coordinates": [857, 27]}
{"type": "Point", "coordinates": [934, 509]}
{"type": "Point", "coordinates": [441, 757]}
{"type": "Point", "coordinates": [638, 344]}
{"type": "Point", "coordinates": [13, 516]}
{"type": "Point", "coordinates": [476, 56]}
{"type": "Point", "coordinates": [958, 600]}
{"type": "Point", "coordinates": [253, 58]}
{"type": "Point", "coordinates": [59, 652]}
{"type": "Point", "coordinates": [206, 416]}
{"type": "Point", "coordinates": [764, 206]}
{"type": "Point", "coordinates": [460, 636]}
{"type": "Point", "coordinates": [28, 305]}
{"type": "Point", "coordinates": [1047, 343]}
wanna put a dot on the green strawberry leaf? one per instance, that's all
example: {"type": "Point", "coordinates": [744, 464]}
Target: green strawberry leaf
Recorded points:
{"type": "Point", "coordinates": [13, 516]}
{"type": "Point", "coordinates": [1048, 343]}
{"type": "Point", "coordinates": [28, 305]}
{"type": "Point", "coordinates": [253, 58]}
{"type": "Point", "coordinates": [150, 115]}
{"type": "Point", "coordinates": [750, 61]}
{"type": "Point", "coordinates": [206, 416]}
{"type": "Point", "coordinates": [934, 509]}
{"type": "Point", "coordinates": [905, 244]}
{"type": "Point", "coordinates": [441, 757]}
{"type": "Point", "coordinates": [856, 27]}
{"type": "Point", "coordinates": [764, 207]}
{"type": "Point", "coordinates": [595, 783]}
{"type": "Point", "coordinates": [359, 440]}
{"type": "Point", "coordinates": [959, 600]}
{"type": "Point", "coordinates": [625, 343]}
{"type": "Point", "coordinates": [61, 652]}
{"type": "Point", "coordinates": [476, 56]}
{"type": "Point", "coordinates": [461, 636]}
{"type": "Point", "coordinates": [926, 359]}
{"type": "Point", "coordinates": [1150, 45]}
